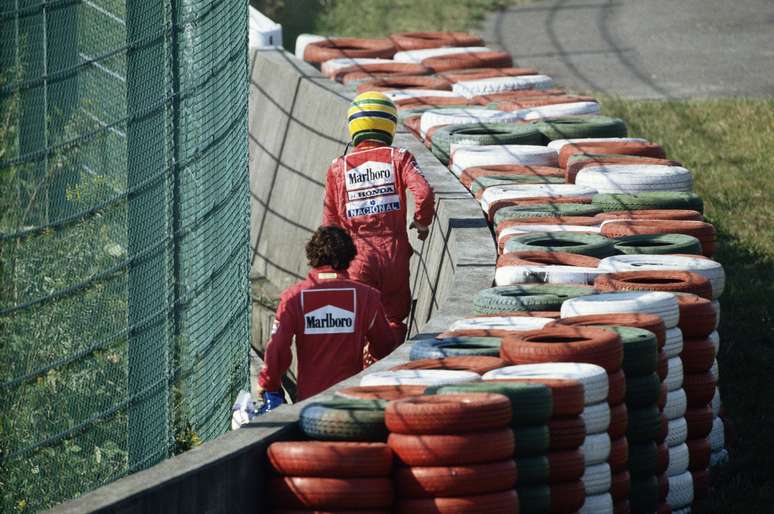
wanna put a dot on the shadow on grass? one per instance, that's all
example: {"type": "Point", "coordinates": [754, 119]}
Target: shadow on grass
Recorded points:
{"type": "Point", "coordinates": [746, 360]}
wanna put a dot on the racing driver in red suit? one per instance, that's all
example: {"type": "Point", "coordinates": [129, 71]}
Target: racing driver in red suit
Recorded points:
{"type": "Point", "coordinates": [330, 316]}
{"type": "Point", "coordinates": [365, 193]}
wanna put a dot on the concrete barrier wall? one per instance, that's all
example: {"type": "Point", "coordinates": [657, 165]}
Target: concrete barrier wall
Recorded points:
{"type": "Point", "coordinates": [296, 128]}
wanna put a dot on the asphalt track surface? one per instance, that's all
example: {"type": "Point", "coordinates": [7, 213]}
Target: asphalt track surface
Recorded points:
{"type": "Point", "coordinates": [644, 48]}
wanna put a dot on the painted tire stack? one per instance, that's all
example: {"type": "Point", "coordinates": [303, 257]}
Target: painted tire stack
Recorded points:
{"type": "Point", "coordinates": [331, 476]}
{"type": "Point", "coordinates": [596, 447]}
{"type": "Point", "coordinates": [548, 481]}
{"type": "Point", "coordinates": [624, 220]}
{"type": "Point", "coordinates": [454, 453]}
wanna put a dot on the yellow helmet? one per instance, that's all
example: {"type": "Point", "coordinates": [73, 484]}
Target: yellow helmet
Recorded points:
{"type": "Point", "coordinates": [372, 116]}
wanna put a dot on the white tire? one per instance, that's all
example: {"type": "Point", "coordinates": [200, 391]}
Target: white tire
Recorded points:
{"type": "Point", "coordinates": [680, 490]}
{"type": "Point", "coordinates": [635, 178]}
{"type": "Point", "coordinates": [486, 155]}
{"type": "Point", "coordinates": [716, 304]}
{"type": "Point", "coordinates": [715, 370]}
{"type": "Point", "coordinates": [456, 115]}
{"type": "Point", "coordinates": [558, 144]}
{"type": "Point", "coordinates": [596, 448]}
{"type": "Point", "coordinates": [714, 338]}
{"type": "Point", "coordinates": [471, 88]}
{"type": "Point", "coordinates": [509, 275]}
{"type": "Point", "coordinates": [678, 432]}
{"type": "Point", "coordinates": [514, 323]}
{"type": "Point", "coordinates": [716, 403]}
{"type": "Point", "coordinates": [674, 379]}
{"type": "Point", "coordinates": [549, 227]}
{"type": "Point", "coordinates": [417, 56]}
{"type": "Point", "coordinates": [596, 417]}
{"type": "Point", "coordinates": [676, 404]}
{"type": "Point", "coordinates": [717, 436]}
{"type": "Point", "coordinates": [517, 191]}
{"type": "Point", "coordinates": [679, 458]}
{"type": "Point", "coordinates": [593, 377]}
{"type": "Point", "coordinates": [597, 479]}
{"type": "Point", "coordinates": [708, 268]}
{"type": "Point", "coordinates": [673, 346]}
{"type": "Point", "coordinates": [597, 504]}
{"type": "Point", "coordinates": [649, 302]}
{"type": "Point", "coordinates": [333, 66]}
{"type": "Point", "coordinates": [551, 112]}
{"type": "Point", "coordinates": [427, 377]}
{"type": "Point", "coordinates": [305, 39]}
{"type": "Point", "coordinates": [718, 457]}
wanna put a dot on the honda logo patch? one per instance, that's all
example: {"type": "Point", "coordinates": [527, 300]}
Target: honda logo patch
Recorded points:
{"type": "Point", "coordinates": [328, 311]}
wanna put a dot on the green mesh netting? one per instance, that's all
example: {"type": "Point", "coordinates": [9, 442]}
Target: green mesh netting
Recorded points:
{"type": "Point", "coordinates": [124, 255]}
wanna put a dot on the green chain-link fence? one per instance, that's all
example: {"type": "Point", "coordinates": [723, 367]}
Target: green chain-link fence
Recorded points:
{"type": "Point", "coordinates": [123, 237]}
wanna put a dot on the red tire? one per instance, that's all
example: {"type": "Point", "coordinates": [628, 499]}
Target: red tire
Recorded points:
{"type": "Point", "coordinates": [649, 322]}
{"type": "Point", "coordinates": [294, 511]}
{"type": "Point", "coordinates": [478, 365]}
{"type": "Point", "coordinates": [702, 484]}
{"type": "Point", "coordinates": [445, 481]}
{"type": "Point", "coordinates": [664, 508]}
{"type": "Point", "coordinates": [697, 316]}
{"type": "Point", "coordinates": [655, 214]}
{"type": "Point", "coordinates": [504, 170]}
{"type": "Point", "coordinates": [331, 493]}
{"type": "Point", "coordinates": [524, 314]}
{"type": "Point", "coordinates": [619, 421]}
{"type": "Point", "coordinates": [697, 355]}
{"type": "Point", "coordinates": [566, 433]}
{"type": "Point", "coordinates": [505, 502]}
{"type": "Point", "coordinates": [619, 455]}
{"type": "Point", "coordinates": [531, 258]}
{"type": "Point", "coordinates": [572, 169]}
{"type": "Point", "coordinates": [486, 73]}
{"type": "Point", "coordinates": [663, 486]}
{"type": "Point", "coordinates": [565, 344]}
{"type": "Point", "coordinates": [347, 47]}
{"type": "Point", "coordinates": [622, 507]}
{"type": "Point", "coordinates": [664, 431]}
{"type": "Point", "coordinates": [662, 459]}
{"type": "Point", "coordinates": [699, 388]}
{"type": "Point", "coordinates": [539, 101]}
{"type": "Point", "coordinates": [567, 497]}
{"type": "Point", "coordinates": [404, 82]}
{"type": "Point", "coordinates": [699, 451]}
{"type": "Point", "coordinates": [699, 421]}
{"type": "Point", "coordinates": [386, 392]}
{"type": "Point", "coordinates": [453, 449]}
{"type": "Point", "coordinates": [620, 486]}
{"type": "Point", "coordinates": [565, 466]}
{"type": "Point", "coordinates": [412, 123]}
{"type": "Point", "coordinates": [663, 365]}
{"type": "Point", "coordinates": [668, 281]}
{"type": "Point", "coordinates": [431, 101]}
{"type": "Point", "coordinates": [616, 389]}
{"type": "Point", "coordinates": [464, 61]}
{"type": "Point", "coordinates": [704, 232]}
{"type": "Point", "coordinates": [423, 40]}
{"type": "Point", "coordinates": [346, 74]}
{"type": "Point", "coordinates": [663, 396]}
{"type": "Point", "coordinates": [331, 459]}
{"type": "Point", "coordinates": [506, 96]}
{"type": "Point", "coordinates": [611, 147]}
{"type": "Point", "coordinates": [448, 413]}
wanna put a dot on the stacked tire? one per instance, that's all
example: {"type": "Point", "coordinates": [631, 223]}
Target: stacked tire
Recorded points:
{"type": "Point", "coordinates": [454, 454]}
{"type": "Point", "coordinates": [600, 454]}
{"type": "Point", "coordinates": [331, 476]}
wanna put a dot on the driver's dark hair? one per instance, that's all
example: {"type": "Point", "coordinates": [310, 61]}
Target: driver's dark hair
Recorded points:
{"type": "Point", "coordinates": [330, 246]}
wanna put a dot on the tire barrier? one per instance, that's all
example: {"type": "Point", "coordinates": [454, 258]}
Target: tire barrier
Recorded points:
{"type": "Point", "coordinates": [600, 335]}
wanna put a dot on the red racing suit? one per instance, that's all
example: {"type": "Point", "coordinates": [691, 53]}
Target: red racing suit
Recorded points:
{"type": "Point", "coordinates": [365, 193]}
{"type": "Point", "coordinates": [331, 317]}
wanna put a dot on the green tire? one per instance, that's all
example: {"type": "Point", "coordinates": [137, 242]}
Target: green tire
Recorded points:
{"type": "Point", "coordinates": [545, 209]}
{"type": "Point", "coordinates": [344, 420]}
{"type": "Point", "coordinates": [575, 127]}
{"type": "Point", "coordinates": [644, 425]}
{"type": "Point", "coordinates": [531, 440]}
{"type": "Point", "coordinates": [642, 391]}
{"type": "Point", "coordinates": [640, 349]}
{"type": "Point", "coordinates": [533, 470]}
{"type": "Point", "coordinates": [592, 245]}
{"type": "Point", "coordinates": [643, 460]}
{"type": "Point", "coordinates": [482, 134]}
{"type": "Point", "coordinates": [642, 201]}
{"type": "Point", "coordinates": [534, 499]}
{"type": "Point", "coordinates": [644, 495]}
{"type": "Point", "coordinates": [658, 244]}
{"type": "Point", "coordinates": [526, 297]}
{"type": "Point", "coordinates": [531, 403]}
